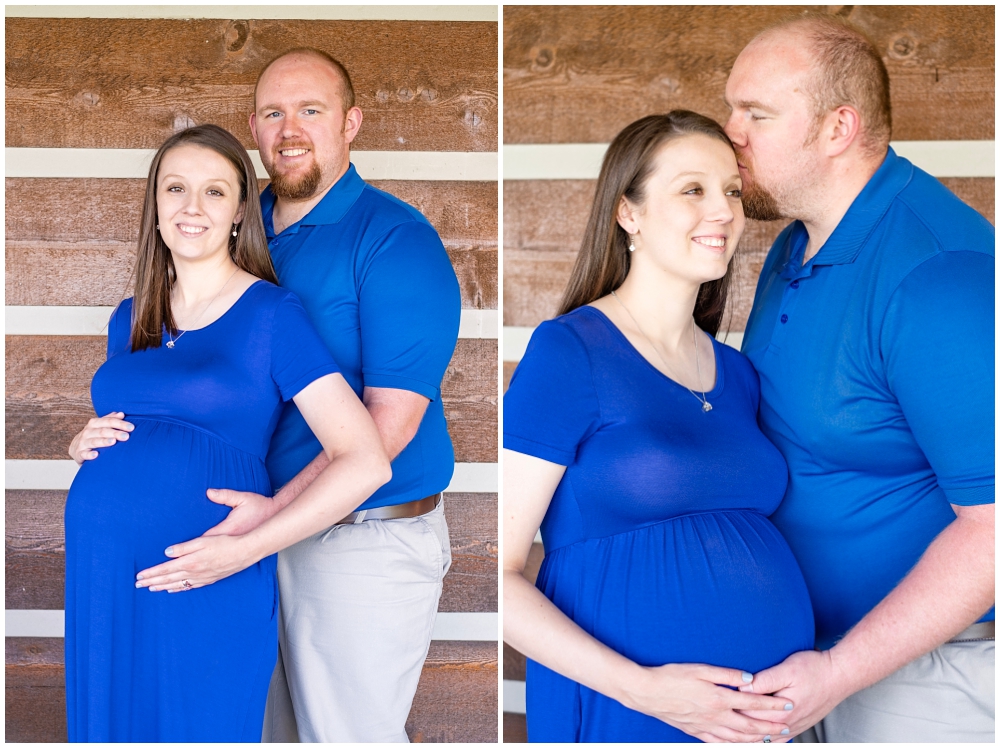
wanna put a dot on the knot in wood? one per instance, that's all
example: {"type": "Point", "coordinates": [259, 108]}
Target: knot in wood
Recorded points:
{"type": "Point", "coordinates": [472, 118]}
{"type": "Point", "coordinates": [382, 96]}
{"type": "Point", "coordinates": [91, 99]}
{"type": "Point", "coordinates": [902, 47]}
{"type": "Point", "coordinates": [236, 35]}
{"type": "Point", "coordinates": [543, 58]}
{"type": "Point", "coordinates": [182, 122]}
{"type": "Point", "coordinates": [428, 94]}
{"type": "Point", "coordinates": [404, 94]}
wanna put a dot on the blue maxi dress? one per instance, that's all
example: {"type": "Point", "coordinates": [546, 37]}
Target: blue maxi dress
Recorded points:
{"type": "Point", "coordinates": [147, 666]}
{"type": "Point", "coordinates": [657, 541]}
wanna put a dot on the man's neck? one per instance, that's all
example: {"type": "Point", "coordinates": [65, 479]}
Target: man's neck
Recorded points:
{"type": "Point", "coordinates": [840, 193]}
{"type": "Point", "coordinates": [287, 212]}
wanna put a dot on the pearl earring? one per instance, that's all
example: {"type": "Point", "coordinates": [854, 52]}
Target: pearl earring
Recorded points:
{"type": "Point", "coordinates": [234, 229]}
{"type": "Point", "coordinates": [631, 243]}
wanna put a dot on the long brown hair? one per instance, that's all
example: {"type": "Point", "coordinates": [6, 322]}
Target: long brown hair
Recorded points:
{"type": "Point", "coordinates": [604, 259]}
{"type": "Point", "coordinates": [154, 267]}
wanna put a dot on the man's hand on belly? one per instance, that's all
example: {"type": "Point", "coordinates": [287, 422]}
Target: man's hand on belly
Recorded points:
{"type": "Point", "coordinates": [808, 679]}
{"type": "Point", "coordinates": [249, 511]}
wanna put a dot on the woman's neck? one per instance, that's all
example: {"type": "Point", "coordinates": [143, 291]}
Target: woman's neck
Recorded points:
{"type": "Point", "coordinates": [197, 282]}
{"type": "Point", "coordinates": [662, 305]}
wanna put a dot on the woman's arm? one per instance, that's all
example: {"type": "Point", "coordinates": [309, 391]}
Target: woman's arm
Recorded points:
{"type": "Point", "coordinates": [690, 697]}
{"type": "Point", "coordinates": [358, 466]}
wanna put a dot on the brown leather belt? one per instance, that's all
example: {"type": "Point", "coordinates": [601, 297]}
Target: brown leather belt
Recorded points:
{"type": "Point", "coordinates": [397, 511]}
{"type": "Point", "coordinates": [977, 632]}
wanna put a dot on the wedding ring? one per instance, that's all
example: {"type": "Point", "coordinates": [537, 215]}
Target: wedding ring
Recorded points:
{"type": "Point", "coordinates": [186, 584]}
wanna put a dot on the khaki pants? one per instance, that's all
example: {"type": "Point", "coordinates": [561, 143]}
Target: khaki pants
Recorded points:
{"type": "Point", "coordinates": [358, 604]}
{"type": "Point", "coordinates": [946, 696]}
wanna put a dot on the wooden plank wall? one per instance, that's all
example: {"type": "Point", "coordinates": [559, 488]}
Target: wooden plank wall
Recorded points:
{"type": "Point", "coordinates": [130, 83]}
{"type": "Point", "coordinates": [580, 74]}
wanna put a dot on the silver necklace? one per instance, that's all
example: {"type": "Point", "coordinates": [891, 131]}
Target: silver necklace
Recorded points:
{"type": "Point", "coordinates": [703, 397]}
{"type": "Point", "coordinates": [173, 340]}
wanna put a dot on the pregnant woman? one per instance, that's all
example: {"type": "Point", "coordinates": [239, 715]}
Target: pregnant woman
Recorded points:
{"type": "Point", "coordinates": [631, 439]}
{"type": "Point", "coordinates": [200, 360]}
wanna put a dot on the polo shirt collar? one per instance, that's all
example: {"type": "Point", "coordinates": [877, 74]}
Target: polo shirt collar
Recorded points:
{"type": "Point", "coordinates": [331, 209]}
{"type": "Point", "coordinates": [868, 208]}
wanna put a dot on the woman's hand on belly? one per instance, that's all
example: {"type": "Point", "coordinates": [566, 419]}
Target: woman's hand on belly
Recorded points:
{"type": "Point", "coordinates": [693, 698]}
{"type": "Point", "coordinates": [198, 563]}
{"type": "Point", "coordinates": [99, 432]}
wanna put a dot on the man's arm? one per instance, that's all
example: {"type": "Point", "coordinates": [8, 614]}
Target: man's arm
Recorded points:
{"type": "Point", "coordinates": [397, 415]}
{"type": "Point", "coordinates": [949, 589]}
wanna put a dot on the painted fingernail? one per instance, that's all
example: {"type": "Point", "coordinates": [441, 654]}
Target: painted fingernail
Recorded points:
{"type": "Point", "coordinates": [785, 731]}
{"type": "Point", "coordinates": [789, 707]}
{"type": "Point", "coordinates": [138, 585]}
{"type": "Point", "coordinates": [747, 677]}
{"type": "Point", "coordinates": [154, 589]}
{"type": "Point", "coordinates": [138, 576]}
{"type": "Point", "coordinates": [169, 551]}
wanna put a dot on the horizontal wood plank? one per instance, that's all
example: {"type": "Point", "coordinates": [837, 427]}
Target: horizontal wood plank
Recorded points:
{"type": "Point", "coordinates": [580, 74]}
{"type": "Point", "coordinates": [35, 552]}
{"type": "Point", "coordinates": [456, 699]}
{"type": "Point", "coordinates": [131, 83]}
{"type": "Point", "coordinates": [70, 242]}
{"type": "Point", "coordinates": [514, 663]}
{"type": "Point", "coordinates": [544, 224]}
{"type": "Point", "coordinates": [515, 728]}
{"type": "Point", "coordinates": [48, 395]}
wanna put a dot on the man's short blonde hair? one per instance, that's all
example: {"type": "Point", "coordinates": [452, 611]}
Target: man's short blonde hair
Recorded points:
{"type": "Point", "coordinates": [346, 87]}
{"type": "Point", "coordinates": [848, 70]}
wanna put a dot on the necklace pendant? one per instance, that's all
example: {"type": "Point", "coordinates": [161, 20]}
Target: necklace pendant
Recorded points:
{"type": "Point", "coordinates": [170, 344]}
{"type": "Point", "coordinates": [706, 406]}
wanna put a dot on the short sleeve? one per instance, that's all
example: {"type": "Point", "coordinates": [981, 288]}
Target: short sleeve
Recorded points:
{"type": "Point", "coordinates": [298, 355]}
{"type": "Point", "coordinates": [551, 405]}
{"type": "Point", "coordinates": [120, 328]}
{"type": "Point", "coordinates": [409, 308]}
{"type": "Point", "coordinates": [938, 346]}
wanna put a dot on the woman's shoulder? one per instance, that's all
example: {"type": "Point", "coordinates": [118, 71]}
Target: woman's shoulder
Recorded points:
{"type": "Point", "coordinates": [738, 366]}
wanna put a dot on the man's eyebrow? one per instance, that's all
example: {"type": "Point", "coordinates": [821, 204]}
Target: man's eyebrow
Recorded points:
{"type": "Point", "coordinates": [299, 105]}
{"type": "Point", "coordinates": [753, 104]}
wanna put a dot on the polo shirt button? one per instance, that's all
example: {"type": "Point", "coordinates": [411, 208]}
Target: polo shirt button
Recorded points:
{"type": "Point", "coordinates": [794, 284]}
{"type": "Point", "coordinates": [784, 318]}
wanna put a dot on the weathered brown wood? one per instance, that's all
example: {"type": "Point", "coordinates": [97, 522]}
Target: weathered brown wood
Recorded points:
{"type": "Point", "coordinates": [471, 583]}
{"type": "Point", "coordinates": [515, 728]}
{"type": "Point", "coordinates": [70, 241]}
{"type": "Point", "coordinates": [508, 371]}
{"type": "Point", "coordinates": [34, 691]}
{"type": "Point", "coordinates": [130, 83]}
{"type": "Point", "coordinates": [514, 663]}
{"type": "Point", "coordinates": [544, 223]}
{"type": "Point", "coordinates": [579, 74]}
{"type": "Point", "coordinates": [456, 700]}
{"type": "Point", "coordinates": [35, 551]}
{"type": "Point", "coordinates": [48, 395]}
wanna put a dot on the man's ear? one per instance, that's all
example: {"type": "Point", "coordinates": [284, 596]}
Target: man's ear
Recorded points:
{"type": "Point", "coordinates": [253, 128]}
{"type": "Point", "coordinates": [352, 123]}
{"type": "Point", "coordinates": [842, 128]}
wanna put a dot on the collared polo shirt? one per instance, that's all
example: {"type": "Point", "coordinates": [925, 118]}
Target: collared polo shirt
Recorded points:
{"type": "Point", "coordinates": [377, 283]}
{"type": "Point", "coordinates": [877, 385]}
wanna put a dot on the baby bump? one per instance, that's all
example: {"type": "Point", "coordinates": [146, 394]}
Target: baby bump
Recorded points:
{"type": "Point", "coordinates": [719, 587]}
{"type": "Point", "coordinates": [149, 492]}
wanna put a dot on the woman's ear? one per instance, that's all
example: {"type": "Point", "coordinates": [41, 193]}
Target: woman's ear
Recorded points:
{"type": "Point", "coordinates": [626, 217]}
{"type": "Point", "coordinates": [239, 213]}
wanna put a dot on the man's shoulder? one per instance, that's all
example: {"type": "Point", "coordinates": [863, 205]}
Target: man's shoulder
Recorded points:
{"type": "Point", "coordinates": [386, 211]}
{"type": "Point", "coordinates": [927, 218]}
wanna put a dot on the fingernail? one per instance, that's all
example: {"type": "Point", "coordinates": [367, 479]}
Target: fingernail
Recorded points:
{"type": "Point", "coordinates": [767, 738]}
{"type": "Point", "coordinates": [154, 589]}
{"type": "Point", "coordinates": [789, 707]}
{"type": "Point", "coordinates": [169, 551]}
{"type": "Point", "coordinates": [138, 585]}
{"type": "Point", "coordinates": [138, 576]}
{"type": "Point", "coordinates": [129, 426]}
{"type": "Point", "coordinates": [785, 731]}
{"type": "Point", "coordinates": [747, 677]}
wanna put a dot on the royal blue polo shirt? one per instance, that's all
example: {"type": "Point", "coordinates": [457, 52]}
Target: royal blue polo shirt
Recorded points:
{"type": "Point", "coordinates": [377, 283]}
{"type": "Point", "coordinates": [877, 384]}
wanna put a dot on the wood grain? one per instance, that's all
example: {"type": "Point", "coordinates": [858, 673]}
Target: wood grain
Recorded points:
{"type": "Point", "coordinates": [456, 700]}
{"type": "Point", "coordinates": [35, 552]}
{"type": "Point", "coordinates": [70, 242]}
{"type": "Point", "coordinates": [131, 83]}
{"type": "Point", "coordinates": [508, 372]}
{"type": "Point", "coordinates": [515, 728]}
{"type": "Point", "coordinates": [514, 663]}
{"type": "Point", "coordinates": [544, 223]}
{"type": "Point", "coordinates": [471, 583]}
{"type": "Point", "coordinates": [48, 395]}
{"type": "Point", "coordinates": [580, 74]}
